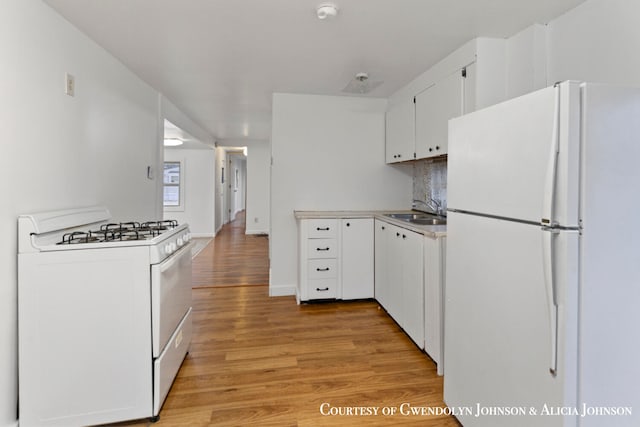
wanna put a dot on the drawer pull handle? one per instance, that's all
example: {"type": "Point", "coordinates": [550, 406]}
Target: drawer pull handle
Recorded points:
{"type": "Point", "coordinates": [322, 289]}
{"type": "Point", "coordinates": [322, 249]}
{"type": "Point", "coordinates": [322, 269]}
{"type": "Point", "coordinates": [322, 229]}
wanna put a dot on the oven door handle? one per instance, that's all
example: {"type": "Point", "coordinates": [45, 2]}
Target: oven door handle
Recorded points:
{"type": "Point", "coordinates": [169, 261]}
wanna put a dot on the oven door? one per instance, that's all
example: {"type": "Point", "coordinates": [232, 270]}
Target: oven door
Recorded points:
{"type": "Point", "coordinates": [170, 296]}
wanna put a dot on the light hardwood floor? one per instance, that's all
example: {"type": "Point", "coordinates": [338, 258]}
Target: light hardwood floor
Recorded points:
{"type": "Point", "coordinates": [233, 258]}
{"type": "Point", "coordinates": [265, 361]}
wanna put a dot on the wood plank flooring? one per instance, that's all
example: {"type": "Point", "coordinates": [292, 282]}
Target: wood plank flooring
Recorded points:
{"type": "Point", "coordinates": [257, 360]}
{"type": "Point", "coordinates": [233, 258]}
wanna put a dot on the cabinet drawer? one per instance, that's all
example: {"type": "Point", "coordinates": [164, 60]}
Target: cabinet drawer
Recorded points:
{"type": "Point", "coordinates": [322, 288]}
{"type": "Point", "coordinates": [322, 228]}
{"type": "Point", "coordinates": [322, 248]}
{"type": "Point", "coordinates": [322, 268]}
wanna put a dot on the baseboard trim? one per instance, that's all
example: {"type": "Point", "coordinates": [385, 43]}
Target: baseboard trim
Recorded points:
{"type": "Point", "coordinates": [262, 232]}
{"type": "Point", "coordinates": [208, 235]}
{"type": "Point", "coordinates": [281, 291]}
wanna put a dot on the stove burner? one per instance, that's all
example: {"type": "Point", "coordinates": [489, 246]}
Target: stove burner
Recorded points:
{"type": "Point", "coordinates": [82, 237]}
{"type": "Point", "coordinates": [120, 232]}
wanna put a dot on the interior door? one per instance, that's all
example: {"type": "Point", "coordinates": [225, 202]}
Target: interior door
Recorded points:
{"type": "Point", "coordinates": [498, 340]}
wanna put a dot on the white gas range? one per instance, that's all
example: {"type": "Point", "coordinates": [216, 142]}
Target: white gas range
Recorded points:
{"type": "Point", "coordinates": [104, 316]}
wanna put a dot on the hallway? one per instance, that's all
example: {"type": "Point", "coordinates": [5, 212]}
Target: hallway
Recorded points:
{"type": "Point", "coordinates": [233, 258]}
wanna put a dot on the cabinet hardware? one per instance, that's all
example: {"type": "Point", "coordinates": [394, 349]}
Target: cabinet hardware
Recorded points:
{"type": "Point", "coordinates": [322, 269]}
{"type": "Point", "coordinates": [430, 149]}
{"type": "Point", "coordinates": [397, 234]}
{"type": "Point", "coordinates": [437, 147]}
{"type": "Point", "coordinates": [404, 236]}
{"type": "Point", "coordinates": [322, 249]}
{"type": "Point", "coordinates": [382, 227]}
{"type": "Point", "coordinates": [322, 229]}
{"type": "Point", "coordinates": [322, 289]}
{"type": "Point", "coordinates": [348, 224]}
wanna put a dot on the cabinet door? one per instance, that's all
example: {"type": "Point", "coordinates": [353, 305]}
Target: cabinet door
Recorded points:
{"type": "Point", "coordinates": [400, 135]}
{"type": "Point", "coordinates": [412, 286]}
{"type": "Point", "coordinates": [357, 258]}
{"type": "Point", "coordinates": [433, 299]}
{"type": "Point", "coordinates": [434, 107]}
{"type": "Point", "coordinates": [396, 287]}
{"type": "Point", "coordinates": [469, 97]}
{"type": "Point", "coordinates": [381, 258]}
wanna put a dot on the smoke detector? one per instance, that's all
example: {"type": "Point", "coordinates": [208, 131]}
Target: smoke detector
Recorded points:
{"type": "Point", "coordinates": [361, 84]}
{"type": "Point", "coordinates": [326, 10]}
{"type": "Point", "coordinates": [362, 77]}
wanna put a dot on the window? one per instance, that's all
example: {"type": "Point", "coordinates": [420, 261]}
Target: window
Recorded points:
{"type": "Point", "coordinates": [172, 184]}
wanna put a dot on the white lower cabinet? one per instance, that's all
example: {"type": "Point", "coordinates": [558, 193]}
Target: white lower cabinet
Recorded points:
{"type": "Point", "coordinates": [336, 258]}
{"type": "Point", "coordinates": [434, 267]}
{"type": "Point", "coordinates": [399, 282]}
{"type": "Point", "coordinates": [357, 258]}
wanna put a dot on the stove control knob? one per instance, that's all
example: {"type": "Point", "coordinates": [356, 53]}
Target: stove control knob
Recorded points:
{"type": "Point", "coordinates": [167, 249]}
{"type": "Point", "coordinates": [187, 237]}
{"type": "Point", "coordinates": [180, 242]}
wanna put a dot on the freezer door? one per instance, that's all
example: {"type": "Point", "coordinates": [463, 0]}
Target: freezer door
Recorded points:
{"type": "Point", "coordinates": [501, 335]}
{"type": "Point", "coordinates": [519, 159]}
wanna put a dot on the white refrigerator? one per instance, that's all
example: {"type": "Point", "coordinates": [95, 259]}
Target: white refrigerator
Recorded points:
{"type": "Point", "coordinates": [542, 298]}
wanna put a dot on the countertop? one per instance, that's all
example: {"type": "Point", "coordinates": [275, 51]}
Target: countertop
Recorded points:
{"type": "Point", "coordinates": [433, 231]}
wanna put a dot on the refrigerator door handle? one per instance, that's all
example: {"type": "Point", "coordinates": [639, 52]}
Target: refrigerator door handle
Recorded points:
{"type": "Point", "coordinates": [548, 256]}
{"type": "Point", "coordinates": [552, 167]}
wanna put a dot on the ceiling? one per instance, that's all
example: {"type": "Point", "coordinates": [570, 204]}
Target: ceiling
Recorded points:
{"type": "Point", "coordinates": [220, 61]}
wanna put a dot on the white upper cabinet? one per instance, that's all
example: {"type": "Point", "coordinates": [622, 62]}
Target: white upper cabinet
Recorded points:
{"type": "Point", "coordinates": [400, 143]}
{"type": "Point", "coordinates": [433, 109]}
{"type": "Point", "coordinates": [418, 113]}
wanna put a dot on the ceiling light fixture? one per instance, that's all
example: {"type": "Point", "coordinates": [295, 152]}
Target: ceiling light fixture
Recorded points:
{"type": "Point", "coordinates": [172, 142]}
{"type": "Point", "coordinates": [326, 10]}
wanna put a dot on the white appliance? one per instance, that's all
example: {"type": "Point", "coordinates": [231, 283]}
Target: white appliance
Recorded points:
{"type": "Point", "coordinates": [542, 305]}
{"type": "Point", "coordinates": [104, 316]}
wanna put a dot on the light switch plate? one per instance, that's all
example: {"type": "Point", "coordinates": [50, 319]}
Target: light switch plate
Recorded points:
{"type": "Point", "coordinates": [70, 84]}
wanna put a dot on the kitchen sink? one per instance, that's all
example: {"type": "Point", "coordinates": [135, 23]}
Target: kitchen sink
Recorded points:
{"type": "Point", "coordinates": [429, 221]}
{"type": "Point", "coordinates": [408, 216]}
{"type": "Point", "coordinates": [419, 218]}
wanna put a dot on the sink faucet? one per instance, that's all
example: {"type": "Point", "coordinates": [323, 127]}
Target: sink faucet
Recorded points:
{"type": "Point", "coordinates": [432, 204]}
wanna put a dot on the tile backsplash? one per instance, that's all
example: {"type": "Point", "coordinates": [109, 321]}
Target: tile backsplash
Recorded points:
{"type": "Point", "coordinates": [430, 180]}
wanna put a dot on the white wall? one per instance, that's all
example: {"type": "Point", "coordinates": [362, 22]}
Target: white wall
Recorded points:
{"type": "Point", "coordinates": [527, 61]}
{"type": "Point", "coordinates": [199, 190]}
{"type": "Point", "coordinates": [59, 151]}
{"type": "Point", "coordinates": [328, 154]}
{"type": "Point", "coordinates": [598, 41]}
{"type": "Point", "coordinates": [258, 186]}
